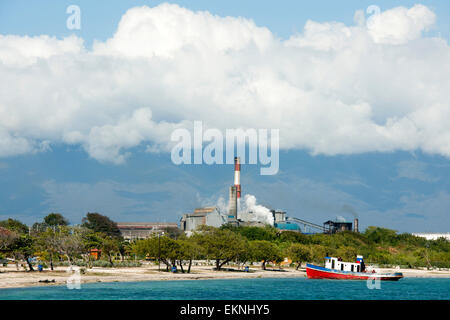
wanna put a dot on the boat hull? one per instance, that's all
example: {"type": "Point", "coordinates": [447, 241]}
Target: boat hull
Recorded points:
{"type": "Point", "coordinates": [317, 272]}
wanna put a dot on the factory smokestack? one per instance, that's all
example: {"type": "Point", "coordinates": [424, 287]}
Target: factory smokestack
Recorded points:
{"type": "Point", "coordinates": [232, 211]}
{"type": "Point", "coordinates": [356, 225]}
{"type": "Point", "coordinates": [237, 176]}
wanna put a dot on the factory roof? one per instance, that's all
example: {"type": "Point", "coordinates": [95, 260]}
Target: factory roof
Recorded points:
{"type": "Point", "coordinates": [287, 226]}
{"type": "Point", "coordinates": [204, 210]}
{"type": "Point", "coordinates": [336, 222]}
{"type": "Point", "coordinates": [145, 225]}
{"type": "Point", "coordinates": [200, 212]}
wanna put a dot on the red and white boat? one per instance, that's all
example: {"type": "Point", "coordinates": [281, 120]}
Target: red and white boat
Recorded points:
{"type": "Point", "coordinates": [337, 269]}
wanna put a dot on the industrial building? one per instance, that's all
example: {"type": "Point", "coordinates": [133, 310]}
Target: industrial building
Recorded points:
{"type": "Point", "coordinates": [142, 230]}
{"type": "Point", "coordinates": [433, 236]}
{"type": "Point", "coordinates": [283, 223]}
{"type": "Point", "coordinates": [211, 216]}
{"type": "Point", "coordinates": [339, 226]}
{"type": "Point", "coordinates": [336, 226]}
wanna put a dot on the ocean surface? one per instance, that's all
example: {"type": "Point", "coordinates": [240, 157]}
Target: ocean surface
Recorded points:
{"type": "Point", "coordinates": [236, 289]}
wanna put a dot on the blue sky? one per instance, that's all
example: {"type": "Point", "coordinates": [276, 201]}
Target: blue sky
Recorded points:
{"type": "Point", "coordinates": [100, 18]}
{"type": "Point", "coordinates": [400, 181]}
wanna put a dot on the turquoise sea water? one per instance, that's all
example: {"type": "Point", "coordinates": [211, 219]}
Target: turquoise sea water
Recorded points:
{"type": "Point", "coordinates": [253, 289]}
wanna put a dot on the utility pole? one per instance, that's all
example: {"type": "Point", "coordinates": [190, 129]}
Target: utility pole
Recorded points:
{"type": "Point", "coordinates": [159, 250]}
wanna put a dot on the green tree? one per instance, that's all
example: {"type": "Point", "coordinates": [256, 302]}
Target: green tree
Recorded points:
{"type": "Point", "coordinates": [70, 242]}
{"type": "Point", "coordinates": [55, 220]}
{"type": "Point", "coordinates": [265, 251]}
{"type": "Point", "coordinates": [254, 233]}
{"type": "Point", "coordinates": [221, 245]}
{"type": "Point", "coordinates": [188, 250]}
{"type": "Point", "coordinates": [46, 234]}
{"type": "Point", "coordinates": [100, 223]}
{"type": "Point", "coordinates": [90, 240]}
{"type": "Point", "coordinates": [381, 235]}
{"type": "Point", "coordinates": [424, 255]}
{"type": "Point", "coordinates": [7, 238]}
{"type": "Point", "coordinates": [14, 225]}
{"type": "Point", "coordinates": [109, 247]}
{"type": "Point", "coordinates": [47, 240]}
{"type": "Point", "coordinates": [299, 253]}
{"type": "Point", "coordinates": [23, 248]}
{"type": "Point", "coordinates": [347, 253]}
{"type": "Point", "coordinates": [245, 255]}
{"type": "Point", "coordinates": [294, 237]}
{"type": "Point", "coordinates": [163, 248]}
{"type": "Point", "coordinates": [318, 252]}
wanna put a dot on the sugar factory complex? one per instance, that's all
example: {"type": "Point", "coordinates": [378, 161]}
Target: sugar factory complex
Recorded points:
{"type": "Point", "coordinates": [212, 216]}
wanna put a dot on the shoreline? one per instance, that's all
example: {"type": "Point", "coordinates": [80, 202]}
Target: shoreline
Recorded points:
{"type": "Point", "coordinates": [10, 278]}
{"type": "Point", "coordinates": [23, 279]}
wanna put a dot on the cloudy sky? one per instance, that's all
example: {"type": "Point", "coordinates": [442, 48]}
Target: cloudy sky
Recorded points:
{"type": "Point", "coordinates": [359, 91]}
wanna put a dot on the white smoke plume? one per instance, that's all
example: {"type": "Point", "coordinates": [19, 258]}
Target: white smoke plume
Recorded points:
{"type": "Point", "coordinates": [222, 205]}
{"type": "Point", "coordinates": [255, 212]}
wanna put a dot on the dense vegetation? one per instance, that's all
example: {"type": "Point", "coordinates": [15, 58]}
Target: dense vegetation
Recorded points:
{"type": "Point", "coordinates": [53, 241]}
{"type": "Point", "coordinates": [56, 243]}
{"type": "Point", "coordinates": [377, 245]}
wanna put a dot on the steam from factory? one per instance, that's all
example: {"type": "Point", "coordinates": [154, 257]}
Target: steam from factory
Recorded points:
{"type": "Point", "coordinates": [249, 213]}
{"type": "Point", "coordinates": [253, 212]}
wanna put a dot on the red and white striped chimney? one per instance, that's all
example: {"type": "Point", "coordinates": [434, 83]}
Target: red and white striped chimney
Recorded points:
{"type": "Point", "coordinates": [237, 176]}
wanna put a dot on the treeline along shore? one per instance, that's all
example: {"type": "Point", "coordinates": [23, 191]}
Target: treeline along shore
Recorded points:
{"type": "Point", "coordinates": [97, 243]}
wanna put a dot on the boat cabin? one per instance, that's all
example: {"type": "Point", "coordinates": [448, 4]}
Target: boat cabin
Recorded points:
{"type": "Point", "coordinates": [338, 264]}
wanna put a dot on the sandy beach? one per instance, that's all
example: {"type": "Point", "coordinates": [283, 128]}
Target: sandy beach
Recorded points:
{"type": "Point", "coordinates": [11, 278]}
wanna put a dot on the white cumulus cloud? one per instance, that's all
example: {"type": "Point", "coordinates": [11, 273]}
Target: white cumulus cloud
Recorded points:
{"type": "Point", "coordinates": [400, 25]}
{"type": "Point", "coordinates": [380, 85]}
